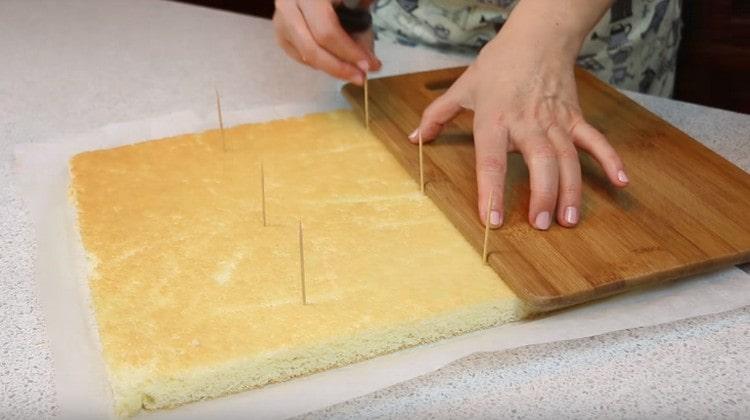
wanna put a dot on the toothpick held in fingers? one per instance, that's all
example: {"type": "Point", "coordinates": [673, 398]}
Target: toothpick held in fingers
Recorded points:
{"type": "Point", "coordinates": [221, 122]}
{"type": "Point", "coordinates": [367, 104]}
{"type": "Point", "coordinates": [421, 164]}
{"type": "Point", "coordinates": [263, 193]}
{"type": "Point", "coordinates": [490, 202]}
{"type": "Point", "coordinates": [302, 263]}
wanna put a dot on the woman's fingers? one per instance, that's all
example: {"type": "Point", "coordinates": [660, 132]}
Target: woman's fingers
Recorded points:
{"type": "Point", "coordinates": [491, 148]}
{"type": "Point", "coordinates": [569, 194]}
{"type": "Point", "coordinates": [288, 48]}
{"type": "Point", "coordinates": [591, 140]}
{"type": "Point", "coordinates": [541, 158]}
{"type": "Point", "coordinates": [327, 32]}
{"type": "Point", "coordinates": [312, 54]}
{"type": "Point", "coordinates": [440, 112]}
{"type": "Point", "coordinates": [366, 40]}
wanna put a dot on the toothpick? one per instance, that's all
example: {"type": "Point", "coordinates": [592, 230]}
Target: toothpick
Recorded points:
{"type": "Point", "coordinates": [487, 226]}
{"type": "Point", "coordinates": [367, 104]}
{"type": "Point", "coordinates": [221, 121]}
{"type": "Point", "coordinates": [263, 192]}
{"type": "Point", "coordinates": [421, 164]}
{"type": "Point", "coordinates": [302, 263]}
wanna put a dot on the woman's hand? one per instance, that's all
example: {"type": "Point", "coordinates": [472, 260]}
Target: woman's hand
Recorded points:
{"type": "Point", "coordinates": [523, 93]}
{"type": "Point", "coordinates": [309, 31]}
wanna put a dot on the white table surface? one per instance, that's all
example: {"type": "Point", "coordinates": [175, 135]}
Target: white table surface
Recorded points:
{"type": "Point", "coordinates": [73, 66]}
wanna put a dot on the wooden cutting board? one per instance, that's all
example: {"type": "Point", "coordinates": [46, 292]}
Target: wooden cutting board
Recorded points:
{"type": "Point", "coordinates": [686, 210]}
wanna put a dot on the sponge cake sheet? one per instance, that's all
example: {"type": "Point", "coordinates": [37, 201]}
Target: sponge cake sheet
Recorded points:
{"type": "Point", "coordinates": [194, 298]}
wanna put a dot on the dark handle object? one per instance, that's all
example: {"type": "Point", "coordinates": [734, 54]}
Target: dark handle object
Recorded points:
{"type": "Point", "coordinates": [354, 20]}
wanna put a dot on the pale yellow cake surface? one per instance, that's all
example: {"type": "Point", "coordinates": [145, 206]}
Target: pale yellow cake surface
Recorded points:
{"type": "Point", "coordinates": [194, 298]}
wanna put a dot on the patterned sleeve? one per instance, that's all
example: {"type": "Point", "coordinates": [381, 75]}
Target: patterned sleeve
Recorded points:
{"type": "Point", "coordinates": [633, 47]}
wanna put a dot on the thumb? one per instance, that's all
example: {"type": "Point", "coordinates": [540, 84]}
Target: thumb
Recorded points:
{"type": "Point", "coordinates": [440, 112]}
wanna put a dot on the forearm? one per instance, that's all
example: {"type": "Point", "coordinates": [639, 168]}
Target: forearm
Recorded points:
{"type": "Point", "coordinates": [560, 25]}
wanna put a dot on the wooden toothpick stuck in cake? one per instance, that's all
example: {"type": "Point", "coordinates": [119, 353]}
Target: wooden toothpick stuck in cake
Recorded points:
{"type": "Point", "coordinates": [221, 121]}
{"type": "Point", "coordinates": [302, 263]}
{"type": "Point", "coordinates": [487, 226]}
{"type": "Point", "coordinates": [421, 164]}
{"type": "Point", "coordinates": [367, 104]}
{"type": "Point", "coordinates": [263, 193]}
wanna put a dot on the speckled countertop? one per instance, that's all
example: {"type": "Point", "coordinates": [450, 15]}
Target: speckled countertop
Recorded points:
{"type": "Point", "coordinates": [69, 67]}
{"type": "Point", "coordinates": [691, 369]}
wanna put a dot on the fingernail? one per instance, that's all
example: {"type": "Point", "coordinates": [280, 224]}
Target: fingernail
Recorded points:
{"type": "Point", "coordinates": [413, 135]}
{"type": "Point", "coordinates": [357, 79]}
{"type": "Point", "coordinates": [495, 218]}
{"type": "Point", "coordinates": [571, 215]}
{"type": "Point", "coordinates": [542, 220]}
{"type": "Point", "coordinates": [363, 65]}
{"type": "Point", "coordinates": [622, 177]}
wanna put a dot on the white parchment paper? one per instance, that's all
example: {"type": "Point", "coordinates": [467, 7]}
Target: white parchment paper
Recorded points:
{"type": "Point", "coordinates": [80, 378]}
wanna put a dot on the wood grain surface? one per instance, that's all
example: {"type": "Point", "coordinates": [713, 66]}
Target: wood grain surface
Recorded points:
{"type": "Point", "coordinates": [685, 211]}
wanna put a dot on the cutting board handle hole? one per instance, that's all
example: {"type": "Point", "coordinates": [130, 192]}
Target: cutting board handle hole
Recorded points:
{"type": "Point", "coordinates": [439, 85]}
